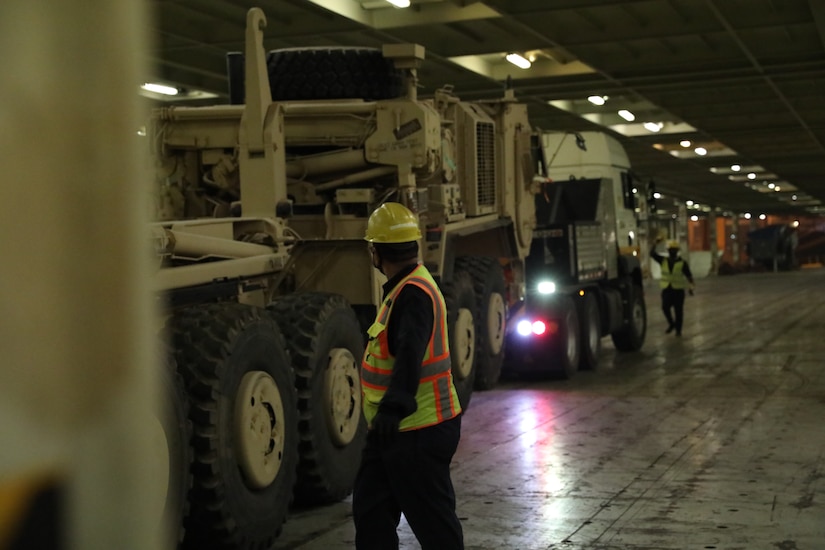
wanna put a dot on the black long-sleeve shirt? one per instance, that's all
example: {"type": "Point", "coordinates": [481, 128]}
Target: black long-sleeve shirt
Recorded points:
{"type": "Point", "coordinates": [408, 334]}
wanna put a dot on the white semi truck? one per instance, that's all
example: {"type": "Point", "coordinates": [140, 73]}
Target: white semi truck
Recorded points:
{"type": "Point", "coordinates": [584, 275]}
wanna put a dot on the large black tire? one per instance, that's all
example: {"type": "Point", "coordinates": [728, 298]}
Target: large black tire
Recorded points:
{"type": "Point", "coordinates": [175, 449]}
{"type": "Point", "coordinates": [631, 336]}
{"type": "Point", "coordinates": [590, 331]}
{"type": "Point", "coordinates": [326, 346]}
{"type": "Point", "coordinates": [245, 421]}
{"type": "Point", "coordinates": [491, 304]}
{"type": "Point", "coordinates": [564, 352]}
{"type": "Point", "coordinates": [461, 327]}
{"type": "Point", "coordinates": [332, 73]}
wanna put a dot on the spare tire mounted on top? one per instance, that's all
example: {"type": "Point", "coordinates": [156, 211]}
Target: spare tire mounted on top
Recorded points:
{"type": "Point", "coordinates": [333, 73]}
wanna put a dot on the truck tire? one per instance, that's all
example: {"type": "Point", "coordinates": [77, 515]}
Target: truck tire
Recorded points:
{"type": "Point", "coordinates": [326, 347]}
{"type": "Point", "coordinates": [564, 351]}
{"type": "Point", "coordinates": [590, 330]}
{"type": "Point", "coordinates": [333, 73]}
{"type": "Point", "coordinates": [175, 450]}
{"type": "Point", "coordinates": [491, 305]}
{"type": "Point", "coordinates": [243, 409]}
{"type": "Point", "coordinates": [632, 334]}
{"type": "Point", "coordinates": [461, 326]}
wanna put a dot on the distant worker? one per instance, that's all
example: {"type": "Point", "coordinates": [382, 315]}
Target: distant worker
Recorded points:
{"type": "Point", "coordinates": [409, 400]}
{"type": "Point", "coordinates": [676, 277]}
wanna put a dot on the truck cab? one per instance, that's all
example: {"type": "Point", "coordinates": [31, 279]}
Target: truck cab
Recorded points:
{"type": "Point", "coordinates": [601, 157]}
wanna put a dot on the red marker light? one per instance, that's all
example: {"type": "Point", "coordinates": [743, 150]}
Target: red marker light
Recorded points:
{"type": "Point", "coordinates": [539, 328]}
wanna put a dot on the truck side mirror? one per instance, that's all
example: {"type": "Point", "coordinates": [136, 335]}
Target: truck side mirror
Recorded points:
{"type": "Point", "coordinates": [651, 196]}
{"type": "Point", "coordinates": [580, 141]}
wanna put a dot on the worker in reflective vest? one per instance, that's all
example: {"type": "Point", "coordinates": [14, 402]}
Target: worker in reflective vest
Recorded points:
{"type": "Point", "coordinates": [409, 400]}
{"type": "Point", "coordinates": [676, 277]}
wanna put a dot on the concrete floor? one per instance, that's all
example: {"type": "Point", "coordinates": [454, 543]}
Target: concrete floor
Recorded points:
{"type": "Point", "coordinates": [712, 441]}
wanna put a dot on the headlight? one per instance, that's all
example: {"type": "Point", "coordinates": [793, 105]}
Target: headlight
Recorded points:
{"type": "Point", "coordinates": [547, 287]}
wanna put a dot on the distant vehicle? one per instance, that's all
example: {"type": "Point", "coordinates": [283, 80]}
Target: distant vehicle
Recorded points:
{"type": "Point", "coordinates": [773, 247]}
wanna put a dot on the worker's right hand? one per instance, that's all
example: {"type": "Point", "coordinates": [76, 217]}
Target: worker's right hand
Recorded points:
{"type": "Point", "coordinates": [385, 427]}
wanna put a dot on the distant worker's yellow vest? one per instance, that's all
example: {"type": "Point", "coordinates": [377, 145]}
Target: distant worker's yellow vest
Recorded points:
{"type": "Point", "coordinates": [674, 278]}
{"type": "Point", "coordinates": [436, 396]}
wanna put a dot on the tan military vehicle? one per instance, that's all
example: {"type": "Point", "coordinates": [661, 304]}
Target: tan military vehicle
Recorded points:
{"type": "Point", "coordinates": [264, 276]}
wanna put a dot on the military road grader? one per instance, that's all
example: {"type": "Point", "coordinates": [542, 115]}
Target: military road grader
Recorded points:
{"type": "Point", "coordinates": [264, 278]}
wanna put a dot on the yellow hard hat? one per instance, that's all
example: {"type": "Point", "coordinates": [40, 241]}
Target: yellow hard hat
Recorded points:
{"type": "Point", "coordinates": [392, 222]}
{"type": "Point", "coordinates": [673, 244]}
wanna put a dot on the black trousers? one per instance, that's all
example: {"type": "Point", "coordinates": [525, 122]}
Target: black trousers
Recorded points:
{"type": "Point", "coordinates": [411, 476]}
{"type": "Point", "coordinates": [674, 299]}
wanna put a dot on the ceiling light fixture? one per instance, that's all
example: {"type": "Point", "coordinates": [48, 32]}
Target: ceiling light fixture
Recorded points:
{"type": "Point", "coordinates": [518, 60]}
{"type": "Point", "coordinates": [400, 3]}
{"type": "Point", "coordinates": [653, 126]}
{"type": "Point", "coordinates": [751, 176]}
{"type": "Point", "coordinates": [685, 143]}
{"type": "Point", "coordinates": [701, 151]}
{"type": "Point", "coordinates": [627, 115]}
{"type": "Point", "coordinates": [735, 167]}
{"type": "Point", "coordinates": [160, 89]}
{"type": "Point", "coordinates": [597, 99]}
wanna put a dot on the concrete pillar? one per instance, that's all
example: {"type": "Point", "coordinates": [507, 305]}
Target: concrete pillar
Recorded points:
{"type": "Point", "coordinates": [77, 380]}
{"type": "Point", "coordinates": [734, 240]}
{"type": "Point", "coordinates": [714, 246]}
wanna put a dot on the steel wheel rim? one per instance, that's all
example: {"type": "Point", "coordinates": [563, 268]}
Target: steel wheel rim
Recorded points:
{"type": "Point", "coordinates": [259, 441]}
{"type": "Point", "coordinates": [342, 396]}
{"type": "Point", "coordinates": [465, 339]}
{"type": "Point", "coordinates": [496, 319]}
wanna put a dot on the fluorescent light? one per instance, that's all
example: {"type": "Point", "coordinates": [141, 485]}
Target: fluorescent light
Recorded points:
{"type": "Point", "coordinates": [627, 115]}
{"type": "Point", "coordinates": [751, 176]}
{"type": "Point", "coordinates": [747, 216]}
{"type": "Point", "coordinates": [701, 151]}
{"type": "Point", "coordinates": [518, 61]}
{"type": "Point", "coordinates": [653, 126]}
{"type": "Point", "coordinates": [735, 167]}
{"type": "Point", "coordinates": [685, 143]}
{"type": "Point", "coordinates": [597, 99]}
{"type": "Point", "coordinates": [400, 3]}
{"type": "Point", "coordinates": [160, 89]}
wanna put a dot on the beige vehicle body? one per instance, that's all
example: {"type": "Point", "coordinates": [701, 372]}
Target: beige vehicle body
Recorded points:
{"type": "Point", "coordinates": [261, 210]}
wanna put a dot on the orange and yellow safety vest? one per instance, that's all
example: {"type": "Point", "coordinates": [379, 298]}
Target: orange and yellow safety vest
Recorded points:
{"type": "Point", "coordinates": [436, 396]}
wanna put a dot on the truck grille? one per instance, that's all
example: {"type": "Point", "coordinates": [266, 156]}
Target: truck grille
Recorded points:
{"type": "Point", "coordinates": [485, 165]}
